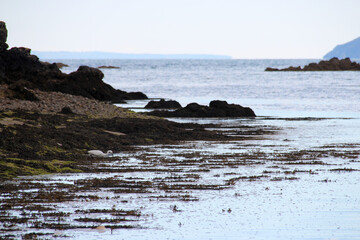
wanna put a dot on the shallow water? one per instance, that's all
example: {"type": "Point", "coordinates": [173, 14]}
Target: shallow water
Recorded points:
{"type": "Point", "coordinates": [268, 187]}
{"type": "Point", "coordinates": [297, 178]}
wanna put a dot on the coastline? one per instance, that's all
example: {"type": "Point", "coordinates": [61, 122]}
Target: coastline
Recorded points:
{"type": "Point", "coordinates": [290, 172]}
{"type": "Point", "coordinates": [38, 139]}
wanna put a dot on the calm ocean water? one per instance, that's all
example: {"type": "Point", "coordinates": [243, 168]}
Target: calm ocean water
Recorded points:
{"type": "Point", "coordinates": [294, 201]}
{"type": "Point", "coordinates": [238, 81]}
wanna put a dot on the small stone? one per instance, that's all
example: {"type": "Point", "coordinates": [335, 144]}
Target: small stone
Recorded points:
{"type": "Point", "coordinates": [66, 110]}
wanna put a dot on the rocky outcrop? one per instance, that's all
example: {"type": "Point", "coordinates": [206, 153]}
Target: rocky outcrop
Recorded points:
{"type": "Point", "coordinates": [333, 64]}
{"type": "Point", "coordinates": [215, 109]}
{"type": "Point", "coordinates": [3, 37]}
{"type": "Point", "coordinates": [61, 65]}
{"type": "Point", "coordinates": [162, 104]}
{"type": "Point", "coordinates": [18, 66]}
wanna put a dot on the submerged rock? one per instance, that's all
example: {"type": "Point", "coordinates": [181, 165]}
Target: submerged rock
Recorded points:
{"type": "Point", "coordinates": [215, 109]}
{"type": "Point", "coordinates": [162, 104]}
{"type": "Point", "coordinates": [333, 64]}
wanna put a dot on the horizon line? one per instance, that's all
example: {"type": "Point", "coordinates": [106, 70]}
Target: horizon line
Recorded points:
{"type": "Point", "coordinates": [120, 55]}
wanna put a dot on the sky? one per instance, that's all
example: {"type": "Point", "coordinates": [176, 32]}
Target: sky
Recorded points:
{"type": "Point", "coordinates": [244, 29]}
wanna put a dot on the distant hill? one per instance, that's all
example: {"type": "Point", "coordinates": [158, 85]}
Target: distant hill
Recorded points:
{"type": "Point", "coordinates": [110, 55]}
{"type": "Point", "coordinates": [350, 50]}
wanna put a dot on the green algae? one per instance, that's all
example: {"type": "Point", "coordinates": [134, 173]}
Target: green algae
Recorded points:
{"type": "Point", "coordinates": [50, 150]}
{"type": "Point", "coordinates": [12, 167]}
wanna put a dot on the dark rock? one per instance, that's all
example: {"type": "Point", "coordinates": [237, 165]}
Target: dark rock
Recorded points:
{"type": "Point", "coordinates": [232, 110]}
{"type": "Point", "coordinates": [87, 82]}
{"type": "Point", "coordinates": [345, 64]}
{"type": "Point", "coordinates": [61, 65]}
{"type": "Point", "coordinates": [333, 64]}
{"type": "Point", "coordinates": [269, 69]}
{"type": "Point", "coordinates": [18, 64]}
{"type": "Point", "coordinates": [218, 104]}
{"type": "Point", "coordinates": [58, 64]}
{"type": "Point", "coordinates": [162, 104]}
{"type": "Point", "coordinates": [20, 91]}
{"type": "Point", "coordinates": [3, 37]}
{"type": "Point", "coordinates": [215, 109]}
{"type": "Point", "coordinates": [109, 67]}
{"type": "Point", "coordinates": [66, 110]}
{"type": "Point", "coordinates": [134, 96]}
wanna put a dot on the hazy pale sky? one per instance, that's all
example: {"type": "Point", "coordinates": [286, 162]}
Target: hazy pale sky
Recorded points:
{"type": "Point", "coordinates": [239, 28]}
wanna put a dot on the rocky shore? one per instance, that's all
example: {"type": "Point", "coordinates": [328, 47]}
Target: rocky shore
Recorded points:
{"type": "Point", "coordinates": [54, 102]}
{"type": "Point", "coordinates": [49, 120]}
{"type": "Point", "coordinates": [216, 108]}
{"type": "Point", "coordinates": [19, 67]}
{"type": "Point", "coordinates": [333, 64]}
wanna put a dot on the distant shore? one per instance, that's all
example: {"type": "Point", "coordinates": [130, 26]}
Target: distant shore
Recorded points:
{"type": "Point", "coordinates": [113, 55]}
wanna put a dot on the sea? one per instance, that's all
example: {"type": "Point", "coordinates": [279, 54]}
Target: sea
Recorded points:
{"type": "Point", "coordinates": [303, 178]}
{"type": "Point", "coordinates": [238, 81]}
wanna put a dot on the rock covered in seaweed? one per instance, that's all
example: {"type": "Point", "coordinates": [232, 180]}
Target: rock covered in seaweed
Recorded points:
{"type": "Point", "coordinates": [333, 64]}
{"type": "Point", "coordinates": [216, 108]}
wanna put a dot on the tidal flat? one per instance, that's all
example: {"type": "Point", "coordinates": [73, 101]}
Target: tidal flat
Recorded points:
{"type": "Point", "coordinates": [264, 183]}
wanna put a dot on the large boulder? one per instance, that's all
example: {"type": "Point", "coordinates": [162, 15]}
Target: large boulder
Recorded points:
{"type": "Point", "coordinates": [162, 104]}
{"type": "Point", "coordinates": [215, 109]}
{"type": "Point", "coordinates": [87, 82]}
{"type": "Point", "coordinates": [17, 64]}
{"type": "Point", "coordinates": [132, 95]}
{"type": "Point", "coordinates": [231, 110]}
{"type": "Point", "coordinates": [3, 37]}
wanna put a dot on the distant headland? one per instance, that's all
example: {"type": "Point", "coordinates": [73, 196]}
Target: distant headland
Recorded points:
{"type": "Point", "coordinates": [347, 50]}
{"type": "Point", "coordinates": [113, 55]}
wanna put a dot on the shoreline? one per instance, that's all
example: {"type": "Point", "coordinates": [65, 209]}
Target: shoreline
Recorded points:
{"type": "Point", "coordinates": [38, 139]}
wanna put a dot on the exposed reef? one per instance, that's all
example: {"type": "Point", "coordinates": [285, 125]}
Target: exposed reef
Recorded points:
{"type": "Point", "coordinates": [162, 104]}
{"type": "Point", "coordinates": [215, 109]}
{"type": "Point", "coordinates": [109, 67]}
{"type": "Point", "coordinates": [19, 66]}
{"type": "Point", "coordinates": [333, 64]}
